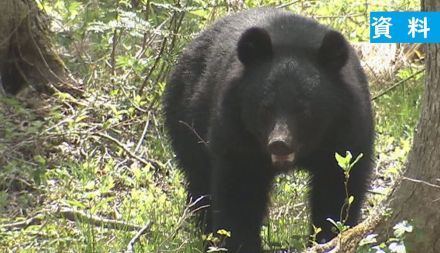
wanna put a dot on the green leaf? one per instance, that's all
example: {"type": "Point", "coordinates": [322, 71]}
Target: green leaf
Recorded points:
{"type": "Point", "coordinates": [224, 232]}
{"type": "Point", "coordinates": [332, 222]}
{"type": "Point", "coordinates": [40, 160]}
{"type": "Point", "coordinates": [77, 204]}
{"type": "Point", "coordinates": [341, 160]}
{"type": "Point", "coordinates": [350, 199]}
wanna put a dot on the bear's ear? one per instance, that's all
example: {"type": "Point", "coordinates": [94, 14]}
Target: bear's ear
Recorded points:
{"type": "Point", "coordinates": [333, 53]}
{"type": "Point", "coordinates": [254, 45]}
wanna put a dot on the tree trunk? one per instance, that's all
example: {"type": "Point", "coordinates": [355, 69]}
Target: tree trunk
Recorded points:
{"type": "Point", "coordinates": [417, 197]}
{"type": "Point", "coordinates": [26, 55]}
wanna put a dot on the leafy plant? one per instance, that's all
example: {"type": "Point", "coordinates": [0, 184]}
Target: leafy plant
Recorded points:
{"type": "Point", "coordinates": [107, 154]}
{"type": "Point", "coordinates": [346, 164]}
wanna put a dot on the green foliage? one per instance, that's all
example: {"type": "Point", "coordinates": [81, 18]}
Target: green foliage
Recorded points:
{"type": "Point", "coordinates": [347, 164]}
{"type": "Point", "coordinates": [215, 241]}
{"type": "Point", "coordinates": [348, 16]}
{"type": "Point", "coordinates": [286, 225]}
{"type": "Point", "coordinates": [107, 153]}
{"type": "Point", "coordinates": [405, 101]}
{"type": "Point", "coordinates": [396, 117]}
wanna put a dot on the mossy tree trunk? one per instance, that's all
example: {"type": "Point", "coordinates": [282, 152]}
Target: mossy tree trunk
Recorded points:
{"type": "Point", "coordinates": [27, 58]}
{"type": "Point", "coordinates": [417, 197]}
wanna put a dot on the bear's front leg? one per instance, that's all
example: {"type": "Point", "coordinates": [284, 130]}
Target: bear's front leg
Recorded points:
{"type": "Point", "coordinates": [240, 195]}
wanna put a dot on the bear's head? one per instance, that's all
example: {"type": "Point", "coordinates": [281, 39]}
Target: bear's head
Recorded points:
{"type": "Point", "coordinates": [291, 96]}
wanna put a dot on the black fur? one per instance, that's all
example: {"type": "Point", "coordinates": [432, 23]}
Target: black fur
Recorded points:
{"type": "Point", "coordinates": [232, 86]}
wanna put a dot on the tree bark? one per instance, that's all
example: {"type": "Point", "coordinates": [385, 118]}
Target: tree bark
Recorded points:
{"type": "Point", "coordinates": [417, 197]}
{"type": "Point", "coordinates": [27, 57]}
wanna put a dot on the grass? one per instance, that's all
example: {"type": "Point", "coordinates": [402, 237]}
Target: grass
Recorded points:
{"type": "Point", "coordinates": [84, 172]}
{"type": "Point", "coordinates": [397, 114]}
{"type": "Point", "coordinates": [58, 153]}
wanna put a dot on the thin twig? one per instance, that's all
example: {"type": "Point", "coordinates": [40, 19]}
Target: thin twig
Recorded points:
{"type": "Point", "coordinates": [422, 182]}
{"type": "Point", "coordinates": [113, 53]}
{"type": "Point", "coordinates": [81, 216]}
{"type": "Point", "coordinates": [76, 216]}
{"type": "Point", "coordinates": [144, 132]}
{"type": "Point", "coordinates": [144, 230]}
{"type": "Point", "coordinates": [397, 84]}
{"type": "Point", "coordinates": [187, 213]}
{"type": "Point", "coordinates": [156, 95]}
{"type": "Point", "coordinates": [341, 16]}
{"type": "Point", "coordinates": [156, 164]}
{"type": "Point", "coordinates": [114, 45]}
{"type": "Point", "coordinates": [156, 61]}
{"type": "Point", "coordinates": [201, 140]}
{"type": "Point", "coordinates": [287, 4]}
{"type": "Point", "coordinates": [37, 219]}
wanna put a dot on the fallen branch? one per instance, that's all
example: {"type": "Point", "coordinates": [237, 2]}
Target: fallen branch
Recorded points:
{"type": "Point", "coordinates": [76, 216]}
{"type": "Point", "coordinates": [37, 219]}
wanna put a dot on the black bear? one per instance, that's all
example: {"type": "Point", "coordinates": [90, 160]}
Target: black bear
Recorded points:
{"type": "Point", "coordinates": [256, 94]}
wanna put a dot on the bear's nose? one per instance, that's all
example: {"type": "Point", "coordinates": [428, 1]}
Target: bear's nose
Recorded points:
{"type": "Point", "coordinates": [279, 148]}
{"type": "Point", "coordinates": [280, 139]}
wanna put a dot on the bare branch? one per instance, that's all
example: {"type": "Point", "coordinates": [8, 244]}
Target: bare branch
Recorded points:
{"type": "Point", "coordinates": [156, 164]}
{"type": "Point", "coordinates": [397, 84]}
{"type": "Point", "coordinates": [422, 182]}
{"type": "Point", "coordinates": [144, 230]}
{"type": "Point", "coordinates": [201, 140]}
{"type": "Point", "coordinates": [76, 216]}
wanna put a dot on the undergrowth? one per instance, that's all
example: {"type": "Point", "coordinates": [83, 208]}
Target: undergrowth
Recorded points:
{"type": "Point", "coordinates": [71, 166]}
